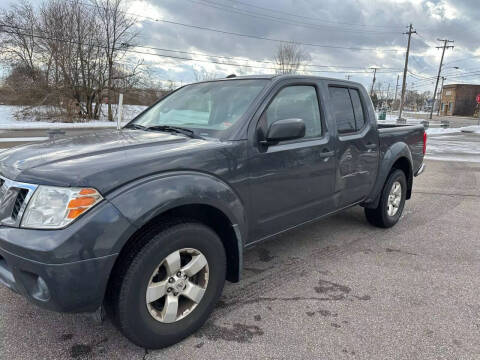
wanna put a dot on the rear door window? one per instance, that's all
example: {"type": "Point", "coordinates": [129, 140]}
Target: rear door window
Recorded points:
{"type": "Point", "coordinates": [357, 109]}
{"type": "Point", "coordinates": [347, 109]}
{"type": "Point", "coordinates": [342, 109]}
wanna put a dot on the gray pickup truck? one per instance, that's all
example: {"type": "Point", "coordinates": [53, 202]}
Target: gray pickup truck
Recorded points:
{"type": "Point", "coordinates": [148, 222]}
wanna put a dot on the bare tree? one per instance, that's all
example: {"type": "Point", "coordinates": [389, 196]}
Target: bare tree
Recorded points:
{"type": "Point", "coordinates": [73, 53]}
{"type": "Point", "coordinates": [119, 33]}
{"type": "Point", "coordinates": [289, 58]}
{"type": "Point", "coordinates": [18, 43]}
{"type": "Point", "coordinates": [203, 75]}
{"type": "Point", "coordinates": [69, 51]}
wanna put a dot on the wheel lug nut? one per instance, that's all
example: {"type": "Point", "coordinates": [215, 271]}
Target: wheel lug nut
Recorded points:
{"type": "Point", "coordinates": [179, 274]}
{"type": "Point", "coordinates": [185, 276]}
{"type": "Point", "coordinates": [169, 290]}
{"type": "Point", "coordinates": [175, 293]}
{"type": "Point", "coordinates": [171, 280]}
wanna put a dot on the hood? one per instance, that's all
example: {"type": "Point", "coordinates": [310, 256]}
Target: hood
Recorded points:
{"type": "Point", "coordinates": [77, 161]}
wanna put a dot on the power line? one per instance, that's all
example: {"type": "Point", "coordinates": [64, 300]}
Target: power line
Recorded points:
{"type": "Point", "coordinates": [259, 61]}
{"type": "Point", "coordinates": [172, 56]}
{"type": "Point", "coordinates": [303, 16]}
{"type": "Point", "coordinates": [418, 76]}
{"type": "Point", "coordinates": [219, 6]}
{"type": "Point", "coordinates": [463, 59]}
{"type": "Point", "coordinates": [273, 39]}
{"type": "Point", "coordinates": [125, 48]}
{"type": "Point", "coordinates": [253, 36]}
{"type": "Point", "coordinates": [240, 65]}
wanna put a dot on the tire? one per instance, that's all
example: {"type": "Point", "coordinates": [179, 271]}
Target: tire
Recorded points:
{"type": "Point", "coordinates": [380, 216]}
{"type": "Point", "coordinates": [142, 322]}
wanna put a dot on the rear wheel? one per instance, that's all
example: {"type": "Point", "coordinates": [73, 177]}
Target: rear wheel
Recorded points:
{"type": "Point", "coordinates": [170, 285]}
{"type": "Point", "coordinates": [392, 201]}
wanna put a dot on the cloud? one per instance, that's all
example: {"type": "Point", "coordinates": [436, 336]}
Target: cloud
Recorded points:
{"type": "Point", "coordinates": [348, 23]}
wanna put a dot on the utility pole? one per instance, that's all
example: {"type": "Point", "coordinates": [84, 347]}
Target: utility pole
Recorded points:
{"type": "Point", "coordinates": [441, 95]}
{"type": "Point", "coordinates": [444, 47]}
{"type": "Point", "coordinates": [396, 90]}
{"type": "Point", "coordinates": [388, 92]}
{"type": "Point", "coordinates": [374, 78]}
{"type": "Point", "coordinates": [402, 98]}
{"type": "Point", "coordinates": [348, 77]}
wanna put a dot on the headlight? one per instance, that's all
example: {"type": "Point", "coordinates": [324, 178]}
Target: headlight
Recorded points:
{"type": "Point", "coordinates": [55, 207]}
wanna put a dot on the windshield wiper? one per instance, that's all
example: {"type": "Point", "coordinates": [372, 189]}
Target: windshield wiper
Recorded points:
{"type": "Point", "coordinates": [174, 129]}
{"type": "Point", "coordinates": [135, 126]}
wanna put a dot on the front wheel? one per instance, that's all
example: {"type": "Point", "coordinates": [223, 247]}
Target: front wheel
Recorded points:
{"type": "Point", "coordinates": [170, 285]}
{"type": "Point", "coordinates": [392, 201]}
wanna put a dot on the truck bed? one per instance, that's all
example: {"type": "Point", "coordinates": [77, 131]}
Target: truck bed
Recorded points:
{"type": "Point", "coordinates": [412, 135]}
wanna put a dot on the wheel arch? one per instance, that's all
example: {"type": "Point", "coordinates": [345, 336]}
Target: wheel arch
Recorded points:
{"type": "Point", "coordinates": [185, 195]}
{"type": "Point", "coordinates": [398, 156]}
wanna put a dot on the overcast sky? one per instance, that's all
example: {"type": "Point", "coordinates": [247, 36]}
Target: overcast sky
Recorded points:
{"type": "Point", "coordinates": [330, 25]}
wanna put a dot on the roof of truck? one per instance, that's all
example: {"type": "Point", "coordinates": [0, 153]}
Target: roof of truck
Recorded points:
{"type": "Point", "coordinates": [283, 76]}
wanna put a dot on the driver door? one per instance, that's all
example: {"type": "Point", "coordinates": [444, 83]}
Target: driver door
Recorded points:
{"type": "Point", "coordinates": [293, 181]}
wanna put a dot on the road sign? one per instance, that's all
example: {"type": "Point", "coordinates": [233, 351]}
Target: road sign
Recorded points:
{"type": "Point", "coordinates": [478, 99]}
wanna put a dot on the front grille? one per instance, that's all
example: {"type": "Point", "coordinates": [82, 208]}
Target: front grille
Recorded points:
{"type": "Point", "coordinates": [14, 197]}
{"type": "Point", "coordinates": [19, 201]}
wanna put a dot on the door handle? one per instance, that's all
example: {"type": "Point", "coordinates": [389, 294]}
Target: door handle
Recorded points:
{"type": "Point", "coordinates": [326, 153]}
{"type": "Point", "coordinates": [371, 146]}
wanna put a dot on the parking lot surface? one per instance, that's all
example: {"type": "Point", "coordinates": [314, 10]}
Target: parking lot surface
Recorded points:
{"type": "Point", "coordinates": [335, 289]}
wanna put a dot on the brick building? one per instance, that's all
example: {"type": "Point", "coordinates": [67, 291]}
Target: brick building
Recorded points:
{"type": "Point", "coordinates": [459, 99]}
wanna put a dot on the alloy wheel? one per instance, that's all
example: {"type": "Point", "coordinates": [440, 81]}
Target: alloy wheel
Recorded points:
{"type": "Point", "coordinates": [177, 285]}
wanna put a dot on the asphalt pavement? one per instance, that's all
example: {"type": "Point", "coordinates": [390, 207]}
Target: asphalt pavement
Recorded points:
{"type": "Point", "coordinates": [336, 289]}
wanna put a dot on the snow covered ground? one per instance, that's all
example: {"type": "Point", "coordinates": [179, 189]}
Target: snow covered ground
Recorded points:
{"type": "Point", "coordinates": [454, 147]}
{"type": "Point", "coordinates": [475, 129]}
{"type": "Point", "coordinates": [12, 117]}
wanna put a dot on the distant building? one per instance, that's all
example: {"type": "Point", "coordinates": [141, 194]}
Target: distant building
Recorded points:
{"type": "Point", "coordinates": [459, 99]}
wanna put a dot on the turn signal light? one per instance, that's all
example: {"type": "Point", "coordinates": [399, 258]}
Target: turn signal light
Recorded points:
{"type": "Point", "coordinates": [85, 199]}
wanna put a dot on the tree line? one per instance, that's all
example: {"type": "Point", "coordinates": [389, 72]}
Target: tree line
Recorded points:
{"type": "Point", "coordinates": [69, 53]}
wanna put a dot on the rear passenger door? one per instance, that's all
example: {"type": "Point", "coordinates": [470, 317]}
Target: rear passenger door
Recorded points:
{"type": "Point", "coordinates": [357, 143]}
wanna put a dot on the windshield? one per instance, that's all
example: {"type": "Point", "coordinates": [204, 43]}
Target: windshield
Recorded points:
{"type": "Point", "coordinates": [206, 108]}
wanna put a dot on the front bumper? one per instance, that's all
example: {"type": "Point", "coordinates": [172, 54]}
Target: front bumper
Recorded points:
{"type": "Point", "coordinates": [64, 270]}
{"type": "Point", "coordinates": [72, 287]}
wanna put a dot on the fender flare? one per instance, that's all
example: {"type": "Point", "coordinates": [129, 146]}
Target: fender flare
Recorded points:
{"type": "Point", "coordinates": [391, 156]}
{"type": "Point", "coordinates": [144, 199]}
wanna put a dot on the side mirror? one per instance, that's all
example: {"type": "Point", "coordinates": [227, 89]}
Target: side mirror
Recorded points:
{"type": "Point", "coordinates": [286, 129]}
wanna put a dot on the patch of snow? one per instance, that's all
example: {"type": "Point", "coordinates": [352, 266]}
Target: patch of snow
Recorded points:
{"type": "Point", "coordinates": [24, 139]}
{"type": "Point", "coordinates": [441, 131]}
{"type": "Point", "coordinates": [393, 118]}
{"type": "Point", "coordinates": [474, 129]}
{"type": "Point", "coordinates": [453, 147]}
{"type": "Point", "coordinates": [9, 120]}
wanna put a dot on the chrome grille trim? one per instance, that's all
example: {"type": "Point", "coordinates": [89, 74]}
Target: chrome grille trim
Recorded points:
{"type": "Point", "coordinates": [8, 186]}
